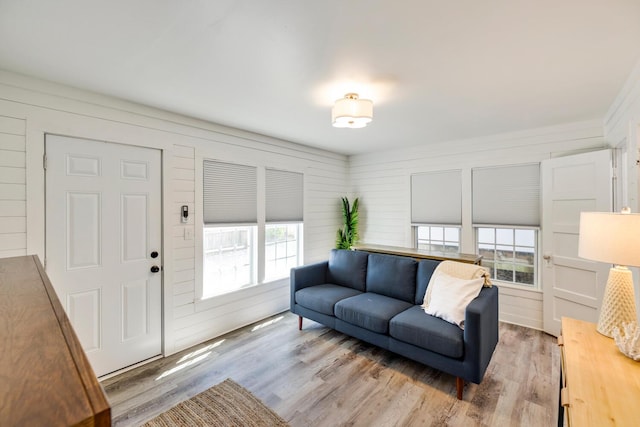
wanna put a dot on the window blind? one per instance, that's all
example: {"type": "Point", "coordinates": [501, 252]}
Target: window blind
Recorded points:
{"type": "Point", "coordinates": [229, 193]}
{"type": "Point", "coordinates": [507, 195]}
{"type": "Point", "coordinates": [436, 197]}
{"type": "Point", "coordinates": [283, 196]}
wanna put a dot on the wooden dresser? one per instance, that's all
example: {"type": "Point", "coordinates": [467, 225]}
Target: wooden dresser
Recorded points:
{"type": "Point", "coordinates": [600, 386]}
{"type": "Point", "coordinates": [45, 377]}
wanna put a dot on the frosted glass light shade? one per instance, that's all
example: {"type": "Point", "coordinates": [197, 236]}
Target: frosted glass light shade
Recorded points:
{"type": "Point", "coordinates": [352, 112]}
{"type": "Point", "coordinates": [610, 237]}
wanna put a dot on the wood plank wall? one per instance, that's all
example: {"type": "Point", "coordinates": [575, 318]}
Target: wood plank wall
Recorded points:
{"type": "Point", "coordinates": [13, 193]}
{"type": "Point", "coordinates": [383, 182]}
{"type": "Point", "coordinates": [30, 108]}
{"type": "Point", "coordinates": [622, 129]}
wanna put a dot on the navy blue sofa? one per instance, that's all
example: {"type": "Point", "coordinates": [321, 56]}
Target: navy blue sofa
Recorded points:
{"type": "Point", "coordinates": [377, 297]}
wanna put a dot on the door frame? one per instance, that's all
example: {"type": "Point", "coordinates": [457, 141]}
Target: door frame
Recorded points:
{"type": "Point", "coordinates": [95, 128]}
{"type": "Point", "coordinates": [162, 225]}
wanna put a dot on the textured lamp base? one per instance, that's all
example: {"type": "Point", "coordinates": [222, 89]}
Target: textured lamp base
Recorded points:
{"type": "Point", "coordinates": [618, 303]}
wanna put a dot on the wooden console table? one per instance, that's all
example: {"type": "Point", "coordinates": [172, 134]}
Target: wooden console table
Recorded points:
{"type": "Point", "coordinates": [599, 386]}
{"type": "Point", "coordinates": [45, 377]}
{"type": "Point", "coordinates": [420, 253]}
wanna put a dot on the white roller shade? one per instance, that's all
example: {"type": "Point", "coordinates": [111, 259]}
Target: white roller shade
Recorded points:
{"type": "Point", "coordinates": [284, 196]}
{"type": "Point", "coordinates": [507, 195]}
{"type": "Point", "coordinates": [229, 193]}
{"type": "Point", "coordinates": [436, 197]}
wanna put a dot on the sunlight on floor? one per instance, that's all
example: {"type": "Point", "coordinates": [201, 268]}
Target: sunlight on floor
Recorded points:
{"type": "Point", "coordinates": [267, 323]}
{"type": "Point", "coordinates": [200, 351]}
{"type": "Point", "coordinates": [191, 359]}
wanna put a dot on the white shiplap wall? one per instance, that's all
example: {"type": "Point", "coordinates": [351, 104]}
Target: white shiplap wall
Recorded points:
{"type": "Point", "coordinates": [622, 129]}
{"type": "Point", "coordinates": [13, 195]}
{"type": "Point", "coordinates": [31, 108]}
{"type": "Point", "coordinates": [382, 181]}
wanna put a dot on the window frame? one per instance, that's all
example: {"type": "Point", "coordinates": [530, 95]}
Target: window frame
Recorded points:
{"type": "Point", "coordinates": [536, 285]}
{"type": "Point", "coordinates": [299, 258]}
{"type": "Point", "coordinates": [253, 259]}
{"type": "Point", "coordinates": [204, 299]}
{"type": "Point", "coordinates": [443, 242]}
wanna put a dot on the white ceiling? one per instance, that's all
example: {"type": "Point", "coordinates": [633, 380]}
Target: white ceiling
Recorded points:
{"type": "Point", "coordinates": [436, 70]}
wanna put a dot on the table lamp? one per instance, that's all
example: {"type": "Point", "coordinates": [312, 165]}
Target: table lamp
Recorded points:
{"type": "Point", "coordinates": [613, 238]}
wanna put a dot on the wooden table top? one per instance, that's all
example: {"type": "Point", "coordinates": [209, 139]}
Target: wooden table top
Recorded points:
{"type": "Point", "coordinates": [420, 253]}
{"type": "Point", "coordinates": [45, 377]}
{"type": "Point", "coordinates": [603, 384]}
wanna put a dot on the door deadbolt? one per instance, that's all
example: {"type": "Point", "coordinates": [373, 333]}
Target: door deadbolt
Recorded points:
{"type": "Point", "coordinates": [154, 254]}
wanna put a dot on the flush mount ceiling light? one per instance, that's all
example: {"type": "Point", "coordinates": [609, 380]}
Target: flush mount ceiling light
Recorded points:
{"type": "Point", "coordinates": [351, 112]}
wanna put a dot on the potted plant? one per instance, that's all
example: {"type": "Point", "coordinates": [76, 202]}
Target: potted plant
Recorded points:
{"type": "Point", "coordinates": [348, 235]}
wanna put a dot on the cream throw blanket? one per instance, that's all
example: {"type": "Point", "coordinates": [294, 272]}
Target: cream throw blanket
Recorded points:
{"type": "Point", "coordinates": [461, 270]}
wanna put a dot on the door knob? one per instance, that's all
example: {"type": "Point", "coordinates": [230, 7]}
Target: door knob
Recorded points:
{"type": "Point", "coordinates": [155, 269]}
{"type": "Point", "coordinates": [154, 254]}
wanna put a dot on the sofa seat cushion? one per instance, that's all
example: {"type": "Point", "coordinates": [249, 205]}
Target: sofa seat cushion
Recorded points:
{"type": "Point", "coordinates": [322, 298]}
{"type": "Point", "coordinates": [370, 311]}
{"type": "Point", "coordinates": [416, 327]}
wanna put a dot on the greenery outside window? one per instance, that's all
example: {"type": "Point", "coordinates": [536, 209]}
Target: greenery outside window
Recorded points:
{"type": "Point", "coordinates": [510, 254]}
{"type": "Point", "coordinates": [283, 249]}
{"type": "Point", "coordinates": [229, 259]}
{"type": "Point", "coordinates": [438, 238]}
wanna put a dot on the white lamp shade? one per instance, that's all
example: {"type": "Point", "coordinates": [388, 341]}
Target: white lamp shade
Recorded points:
{"type": "Point", "coordinates": [351, 112]}
{"type": "Point", "coordinates": [610, 237]}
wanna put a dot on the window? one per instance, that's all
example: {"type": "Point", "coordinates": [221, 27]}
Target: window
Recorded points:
{"type": "Point", "coordinates": [510, 254]}
{"type": "Point", "coordinates": [438, 238]}
{"type": "Point", "coordinates": [506, 215]}
{"type": "Point", "coordinates": [283, 216]}
{"type": "Point", "coordinates": [247, 242]}
{"type": "Point", "coordinates": [436, 198]}
{"type": "Point", "coordinates": [230, 227]}
{"type": "Point", "coordinates": [229, 254]}
{"type": "Point", "coordinates": [283, 250]}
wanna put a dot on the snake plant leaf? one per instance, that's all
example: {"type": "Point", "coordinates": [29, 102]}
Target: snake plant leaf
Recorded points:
{"type": "Point", "coordinates": [347, 236]}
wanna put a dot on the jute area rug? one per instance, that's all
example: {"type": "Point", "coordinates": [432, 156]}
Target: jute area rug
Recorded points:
{"type": "Point", "coordinates": [225, 404]}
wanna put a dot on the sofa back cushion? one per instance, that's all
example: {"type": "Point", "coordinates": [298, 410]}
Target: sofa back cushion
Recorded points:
{"type": "Point", "coordinates": [348, 268]}
{"type": "Point", "coordinates": [392, 276]}
{"type": "Point", "coordinates": [426, 267]}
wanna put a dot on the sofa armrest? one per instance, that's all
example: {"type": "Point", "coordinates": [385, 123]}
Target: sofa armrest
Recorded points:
{"type": "Point", "coordinates": [481, 331]}
{"type": "Point", "coordinates": [307, 275]}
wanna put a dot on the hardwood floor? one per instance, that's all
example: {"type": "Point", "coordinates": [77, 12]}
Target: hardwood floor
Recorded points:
{"type": "Point", "coordinates": [319, 377]}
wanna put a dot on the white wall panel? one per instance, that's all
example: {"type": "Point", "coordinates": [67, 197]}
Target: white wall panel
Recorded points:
{"type": "Point", "coordinates": [13, 190]}
{"type": "Point", "coordinates": [622, 129]}
{"type": "Point", "coordinates": [382, 181]}
{"type": "Point", "coordinates": [43, 107]}
{"type": "Point", "coordinates": [11, 142]}
{"type": "Point", "coordinates": [10, 158]}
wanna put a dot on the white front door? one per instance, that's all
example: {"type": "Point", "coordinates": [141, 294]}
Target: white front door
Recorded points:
{"type": "Point", "coordinates": [572, 286]}
{"type": "Point", "coordinates": [103, 238]}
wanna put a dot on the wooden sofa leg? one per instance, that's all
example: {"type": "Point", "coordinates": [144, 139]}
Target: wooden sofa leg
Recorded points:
{"type": "Point", "coordinates": [459, 387]}
{"type": "Point", "coordinates": [299, 323]}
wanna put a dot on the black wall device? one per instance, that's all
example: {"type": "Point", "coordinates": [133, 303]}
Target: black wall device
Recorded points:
{"type": "Point", "coordinates": [184, 217]}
